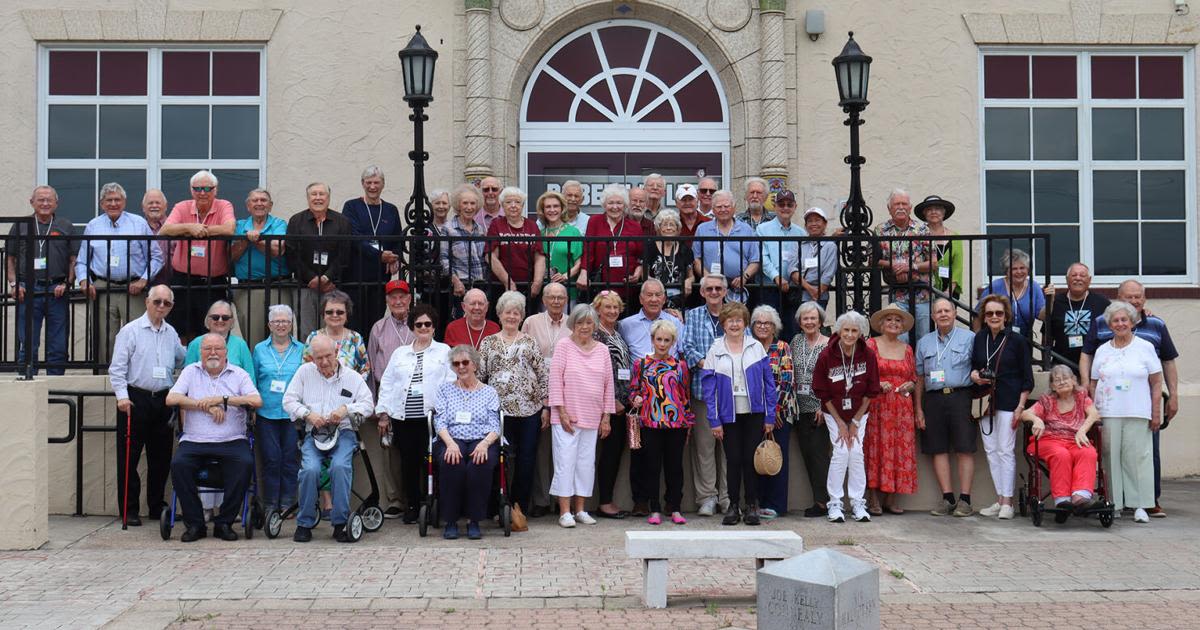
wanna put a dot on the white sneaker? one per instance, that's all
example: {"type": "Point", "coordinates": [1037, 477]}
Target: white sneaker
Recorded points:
{"type": "Point", "coordinates": [991, 510]}
{"type": "Point", "coordinates": [860, 513]}
{"type": "Point", "coordinates": [585, 518]}
{"type": "Point", "coordinates": [708, 507]}
{"type": "Point", "coordinates": [1006, 512]}
{"type": "Point", "coordinates": [835, 514]}
{"type": "Point", "coordinates": [566, 520]}
{"type": "Point", "coordinates": [1140, 516]}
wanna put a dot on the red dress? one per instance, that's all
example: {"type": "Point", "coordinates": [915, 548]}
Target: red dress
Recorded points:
{"type": "Point", "coordinates": [890, 446]}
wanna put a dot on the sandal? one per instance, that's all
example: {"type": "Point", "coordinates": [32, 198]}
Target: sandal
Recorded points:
{"type": "Point", "coordinates": [655, 519]}
{"type": "Point", "coordinates": [874, 510]}
{"type": "Point", "coordinates": [891, 509]}
{"type": "Point", "coordinates": [678, 519]}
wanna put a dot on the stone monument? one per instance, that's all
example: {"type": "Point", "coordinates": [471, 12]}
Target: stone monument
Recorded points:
{"type": "Point", "coordinates": [822, 589]}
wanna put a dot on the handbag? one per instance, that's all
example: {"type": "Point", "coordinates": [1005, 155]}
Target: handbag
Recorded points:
{"type": "Point", "coordinates": [634, 424]}
{"type": "Point", "coordinates": [518, 521]}
{"type": "Point", "coordinates": [768, 457]}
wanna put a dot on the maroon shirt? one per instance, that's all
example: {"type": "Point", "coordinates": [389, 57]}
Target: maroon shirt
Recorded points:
{"type": "Point", "coordinates": [864, 377]}
{"type": "Point", "coordinates": [598, 255]}
{"type": "Point", "coordinates": [516, 256]}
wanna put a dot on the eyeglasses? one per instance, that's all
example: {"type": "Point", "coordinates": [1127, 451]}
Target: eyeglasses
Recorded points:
{"type": "Point", "coordinates": [491, 189]}
{"type": "Point", "coordinates": [220, 318]}
{"type": "Point", "coordinates": [203, 189]}
{"type": "Point", "coordinates": [161, 302]}
{"type": "Point", "coordinates": [280, 322]}
{"type": "Point", "coordinates": [463, 363]}
{"type": "Point", "coordinates": [424, 324]}
{"type": "Point", "coordinates": [708, 191]}
{"type": "Point", "coordinates": [714, 289]}
{"type": "Point", "coordinates": [334, 312]}
{"type": "Point", "coordinates": [763, 324]}
{"type": "Point", "coordinates": [993, 313]}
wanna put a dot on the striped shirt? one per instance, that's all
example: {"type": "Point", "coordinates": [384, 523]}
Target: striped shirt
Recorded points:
{"type": "Point", "coordinates": [582, 382]}
{"type": "Point", "coordinates": [414, 403]}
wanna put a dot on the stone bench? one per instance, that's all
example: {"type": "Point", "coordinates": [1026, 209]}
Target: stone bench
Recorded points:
{"type": "Point", "coordinates": [655, 549]}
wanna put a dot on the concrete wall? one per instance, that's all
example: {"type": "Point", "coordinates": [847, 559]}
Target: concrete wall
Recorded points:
{"type": "Point", "coordinates": [24, 522]}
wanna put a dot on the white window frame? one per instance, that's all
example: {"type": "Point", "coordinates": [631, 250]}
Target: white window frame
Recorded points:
{"type": "Point", "coordinates": [153, 164]}
{"type": "Point", "coordinates": [1084, 164]}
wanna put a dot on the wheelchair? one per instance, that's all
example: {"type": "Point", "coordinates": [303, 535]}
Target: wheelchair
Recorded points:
{"type": "Point", "coordinates": [210, 481]}
{"type": "Point", "coordinates": [427, 516]}
{"type": "Point", "coordinates": [1036, 504]}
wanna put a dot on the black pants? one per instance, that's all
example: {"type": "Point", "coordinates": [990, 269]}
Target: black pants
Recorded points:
{"type": "Point", "coordinates": [464, 488]}
{"type": "Point", "coordinates": [741, 438]}
{"type": "Point", "coordinates": [815, 448]}
{"type": "Point", "coordinates": [237, 466]}
{"type": "Point", "coordinates": [192, 300]}
{"type": "Point", "coordinates": [151, 429]}
{"type": "Point", "coordinates": [522, 435]}
{"type": "Point", "coordinates": [609, 464]}
{"type": "Point", "coordinates": [662, 453]}
{"type": "Point", "coordinates": [410, 437]}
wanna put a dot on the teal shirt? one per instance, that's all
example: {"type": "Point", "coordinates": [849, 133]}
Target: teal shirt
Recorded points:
{"type": "Point", "coordinates": [238, 353]}
{"type": "Point", "coordinates": [252, 264]}
{"type": "Point", "coordinates": [272, 366]}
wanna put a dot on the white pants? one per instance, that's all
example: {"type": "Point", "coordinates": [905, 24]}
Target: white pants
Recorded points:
{"type": "Point", "coordinates": [574, 462]}
{"type": "Point", "coordinates": [1000, 447]}
{"type": "Point", "coordinates": [846, 464]}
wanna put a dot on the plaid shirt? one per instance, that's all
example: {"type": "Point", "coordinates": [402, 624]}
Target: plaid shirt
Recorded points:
{"type": "Point", "coordinates": [463, 258]}
{"type": "Point", "coordinates": [898, 251]}
{"type": "Point", "coordinates": [699, 332]}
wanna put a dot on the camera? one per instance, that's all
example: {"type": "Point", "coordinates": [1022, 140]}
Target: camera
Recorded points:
{"type": "Point", "coordinates": [987, 374]}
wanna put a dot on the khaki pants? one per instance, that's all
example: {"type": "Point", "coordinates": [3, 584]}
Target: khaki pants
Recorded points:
{"type": "Point", "coordinates": [116, 307]}
{"type": "Point", "coordinates": [708, 460]}
{"type": "Point", "coordinates": [252, 304]}
{"type": "Point", "coordinates": [1129, 460]}
{"type": "Point", "coordinates": [386, 464]}
{"type": "Point", "coordinates": [307, 317]}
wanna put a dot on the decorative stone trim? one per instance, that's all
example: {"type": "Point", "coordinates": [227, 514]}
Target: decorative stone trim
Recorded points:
{"type": "Point", "coordinates": [521, 15]}
{"type": "Point", "coordinates": [486, 5]}
{"type": "Point", "coordinates": [770, 6]}
{"type": "Point", "coordinates": [729, 15]}
{"type": "Point", "coordinates": [1085, 24]}
{"type": "Point", "coordinates": [150, 22]}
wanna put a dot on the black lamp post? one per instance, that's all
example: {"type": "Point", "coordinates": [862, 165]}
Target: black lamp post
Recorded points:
{"type": "Point", "coordinates": [853, 71]}
{"type": "Point", "coordinates": [417, 61]}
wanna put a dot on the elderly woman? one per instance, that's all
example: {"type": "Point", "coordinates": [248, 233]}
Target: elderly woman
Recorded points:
{"type": "Point", "coordinates": [512, 363]}
{"type": "Point", "coordinates": [352, 351]}
{"type": "Point", "coordinates": [439, 201]}
{"type": "Point", "coordinates": [516, 264]}
{"type": "Point", "coordinates": [810, 422]}
{"type": "Point", "coordinates": [765, 326]}
{"type": "Point", "coordinates": [462, 255]}
{"type": "Point", "coordinates": [660, 394]}
{"type": "Point", "coordinates": [1002, 363]}
{"type": "Point", "coordinates": [950, 254]}
{"type": "Point", "coordinates": [276, 360]}
{"type": "Point", "coordinates": [406, 394]}
{"type": "Point", "coordinates": [467, 423]}
{"type": "Point", "coordinates": [739, 391]}
{"type": "Point", "coordinates": [670, 261]}
{"type": "Point", "coordinates": [1026, 297]}
{"type": "Point", "coordinates": [614, 259]}
{"type": "Point", "coordinates": [890, 447]}
{"type": "Point", "coordinates": [1061, 419]}
{"type": "Point", "coordinates": [1126, 383]}
{"type": "Point", "coordinates": [565, 258]}
{"type": "Point", "coordinates": [581, 401]}
{"type": "Point", "coordinates": [608, 306]}
{"type": "Point", "coordinates": [846, 378]}
{"type": "Point", "coordinates": [376, 223]}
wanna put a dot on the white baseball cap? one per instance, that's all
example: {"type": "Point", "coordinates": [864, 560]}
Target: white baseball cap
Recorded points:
{"type": "Point", "coordinates": [817, 211]}
{"type": "Point", "coordinates": [685, 190]}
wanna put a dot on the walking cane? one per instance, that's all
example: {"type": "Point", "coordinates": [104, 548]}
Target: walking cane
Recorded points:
{"type": "Point", "coordinates": [128, 448]}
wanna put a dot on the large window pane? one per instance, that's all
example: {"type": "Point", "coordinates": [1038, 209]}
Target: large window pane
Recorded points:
{"type": "Point", "coordinates": [1005, 76]}
{"type": "Point", "coordinates": [1064, 249]}
{"type": "Point", "coordinates": [236, 186]}
{"type": "Point", "coordinates": [123, 72]}
{"type": "Point", "coordinates": [997, 247]}
{"type": "Point", "coordinates": [1056, 196]}
{"type": "Point", "coordinates": [235, 132]}
{"type": "Point", "coordinates": [235, 73]}
{"type": "Point", "coordinates": [1162, 134]}
{"type": "Point", "coordinates": [1116, 247]}
{"type": "Point", "coordinates": [1165, 247]}
{"type": "Point", "coordinates": [1163, 195]}
{"type": "Point", "coordinates": [122, 132]}
{"type": "Point", "coordinates": [1006, 133]}
{"type": "Point", "coordinates": [134, 183]}
{"type": "Point", "coordinates": [1054, 76]}
{"type": "Point", "coordinates": [1114, 195]}
{"type": "Point", "coordinates": [175, 185]}
{"type": "Point", "coordinates": [1055, 134]}
{"type": "Point", "coordinates": [185, 73]}
{"type": "Point", "coordinates": [72, 72]}
{"type": "Point", "coordinates": [1114, 134]}
{"type": "Point", "coordinates": [1160, 77]}
{"type": "Point", "coordinates": [72, 131]}
{"type": "Point", "coordinates": [76, 192]}
{"type": "Point", "coordinates": [1008, 197]}
{"type": "Point", "coordinates": [1113, 77]}
{"type": "Point", "coordinates": [185, 132]}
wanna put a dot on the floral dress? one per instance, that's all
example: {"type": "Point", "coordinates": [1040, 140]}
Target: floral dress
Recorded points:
{"type": "Point", "coordinates": [352, 351]}
{"type": "Point", "coordinates": [517, 371]}
{"type": "Point", "coordinates": [890, 448]}
{"type": "Point", "coordinates": [780, 355]}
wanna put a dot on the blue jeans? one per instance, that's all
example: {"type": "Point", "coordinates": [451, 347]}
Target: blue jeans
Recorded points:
{"type": "Point", "coordinates": [522, 435]}
{"type": "Point", "coordinates": [341, 477]}
{"type": "Point", "coordinates": [921, 325]}
{"type": "Point", "coordinates": [54, 312]}
{"type": "Point", "coordinates": [276, 440]}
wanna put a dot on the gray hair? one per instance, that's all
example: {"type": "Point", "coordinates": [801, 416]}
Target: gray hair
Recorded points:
{"type": "Point", "coordinates": [203, 175]}
{"type": "Point", "coordinates": [654, 176]}
{"type": "Point", "coordinates": [510, 300]}
{"type": "Point", "coordinates": [217, 303]}
{"type": "Point", "coordinates": [160, 288]}
{"type": "Point", "coordinates": [810, 306]}
{"type": "Point", "coordinates": [896, 192]}
{"type": "Point", "coordinates": [281, 309]}
{"type": "Point", "coordinates": [438, 192]}
{"type": "Point", "coordinates": [112, 187]}
{"type": "Point", "coordinates": [258, 191]}
{"type": "Point", "coordinates": [328, 190]}
{"type": "Point", "coordinates": [652, 281]}
{"type": "Point", "coordinates": [571, 183]}
{"type": "Point", "coordinates": [668, 215]}
{"type": "Point", "coordinates": [464, 189]}
{"type": "Point", "coordinates": [757, 180]}
{"type": "Point", "coordinates": [546, 288]}
{"type": "Point", "coordinates": [615, 190]}
{"type": "Point", "coordinates": [511, 191]}
{"type": "Point", "coordinates": [724, 193]}
{"type": "Point", "coordinates": [1014, 256]}
{"type": "Point", "coordinates": [43, 187]}
{"type": "Point", "coordinates": [339, 297]}
{"type": "Point", "coordinates": [768, 313]}
{"type": "Point", "coordinates": [468, 350]}
{"type": "Point", "coordinates": [1117, 306]}
{"type": "Point", "coordinates": [1062, 371]}
{"type": "Point", "coordinates": [581, 311]}
{"type": "Point", "coordinates": [852, 318]}
{"type": "Point", "coordinates": [664, 324]}
{"type": "Point", "coordinates": [373, 171]}
{"type": "Point", "coordinates": [715, 277]}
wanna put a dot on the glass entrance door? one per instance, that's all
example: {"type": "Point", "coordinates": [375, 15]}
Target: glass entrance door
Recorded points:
{"type": "Point", "coordinates": [548, 171]}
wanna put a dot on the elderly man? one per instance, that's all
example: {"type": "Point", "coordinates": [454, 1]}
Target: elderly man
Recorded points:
{"type": "Point", "coordinates": [319, 264]}
{"type": "Point", "coordinates": [462, 258]}
{"type": "Point", "coordinates": [706, 189]}
{"type": "Point", "coordinates": [1154, 330]}
{"type": "Point", "coordinates": [43, 291]}
{"type": "Point", "coordinates": [490, 204]}
{"type": "Point", "coordinates": [154, 209]}
{"type": "Point", "coordinates": [377, 224]}
{"type": "Point", "coordinates": [756, 212]}
{"type": "Point", "coordinates": [656, 191]}
{"type": "Point", "coordinates": [572, 192]}
{"type": "Point", "coordinates": [213, 399]}
{"type": "Point", "coordinates": [260, 268]}
{"type": "Point", "coordinates": [143, 369]}
{"type": "Point", "coordinates": [330, 401]}
{"type": "Point", "coordinates": [817, 264]}
{"type": "Point", "coordinates": [473, 326]}
{"type": "Point", "coordinates": [689, 218]}
{"type": "Point", "coordinates": [736, 256]}
{"type": "Point", "coordinates": [779, 260]}
{"type": "Point", "coordinates": [943, 405]}
{"type": "Point", "coordinates": [1072, 313]}
{"type": "Point", "coordinates": [906, 261]}
{"type": "Point", "coordinates": [199, 263]}
{"type": "Point", "coordinates": [708, 458]}
{"type": "Point", "coordinates": [638, 211]}
{"type": "Point", "coordinates": [113, 273]}
{"type": "Point", "coordinates": [387, 334]}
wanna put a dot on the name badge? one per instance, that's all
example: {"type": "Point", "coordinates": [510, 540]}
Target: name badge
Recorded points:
{"type": "Point", "coordinates": [198, 251]}
{"type": "Point", "coordinates": [160, 372]}
{"type": "Point", "coordinates": [616, 261]}
{"type": "Point", "coordinates": [846, 403]}
{"type": "Point", "coordinates": [739, 390]}
{"type": "Point", "coordinates": [462, 417]}
{"type": "Point", "coordinates": [374, 244]}
{"type": "Point", "coordinates": [622, 374]}
{"type": "Point", "coordinates": [714, 268]}
{"type": "Point", "coordinates": [837, 377]}
{"type": "Point", "coordinates": [810, 263]}
{"type": "Point", "coordinates": [415, 391]}
{"type": "Point", "coordinates": [114, 261]}
{"type": "Point", "coordinates": [320, 258]}
{"type": "Point", "coordinates": [499, 378]}
{"type": "Point", "coordinates": [233, 280]}
{"type": "Point", "coordinates": [944, 272]}
{"type": "Point", "coordinates": [937, 377]}
{"type": "Point", "coordinates": [39, 263]}
{"type": "Point", "coordinates": [278, 386]}
{"type": "Point", "coordinates": [1123, 385]}
{"type": "Point", "coordinates": [1075, 341]}
{"type": "Point", "coordinates": [806, 389]}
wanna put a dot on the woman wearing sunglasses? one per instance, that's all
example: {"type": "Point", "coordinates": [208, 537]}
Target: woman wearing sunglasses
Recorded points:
{"type": "Point", "coordinates": [336, 307]}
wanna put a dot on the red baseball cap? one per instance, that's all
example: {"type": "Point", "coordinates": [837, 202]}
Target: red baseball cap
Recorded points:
{"type": "Point", "coordinates": [397, 285]}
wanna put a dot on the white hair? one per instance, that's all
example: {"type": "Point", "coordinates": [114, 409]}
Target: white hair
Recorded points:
{"type": "Point", "coordinates": [614, 190]}
{"type": "Point", "coordinates": [852, 318]}
{"type": "Point", "coordinates": [654, 176]}
{"type": "Point", "coordinates": [723, 193]}
{"type": "Point", "coordinates": [897, 192]}
{"type": "Point", "coordinates": [373, 171]}
{"type": "Point", "coordinates": [757, 180]}
{"type": "Point", "coordinates": [667, 215]}
{"type": "Point", "coordinates": [580, 312]}
{"type": "Point", "coordinates": [511, 191]}
{"type": "Point", "coordinates": [281, 309]}
{"type": "Point", "coordinates": [1117, 306]}
{"type": "Point", "coordinates": [510, 300]}
{"type": "Point", "coordinates": [1012, 256]}
{"type": "Point", "coordinates": [203, 175]}
{"type": "Point", "coordinates": [768, 313]}
{"type": "Point", "coordinates": [570, 183]}
{"type": "Point", "coordinates": [112, 187]}
{"type": "Point", "coordinates": [810, 306]}
{"type": "Point", "coordinates": [719, 278]}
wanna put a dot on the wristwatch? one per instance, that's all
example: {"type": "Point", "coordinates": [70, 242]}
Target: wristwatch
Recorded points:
{"type": "Point", "coordinates": [225, 402]}
{"type": "Point", "coordinates": [12, 284]}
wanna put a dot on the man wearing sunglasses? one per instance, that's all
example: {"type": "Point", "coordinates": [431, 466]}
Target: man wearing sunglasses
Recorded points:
{"type": "Point", "coordinates": [490, 187]}
{"type": "Point", "coordinates": [200, 262]}
{"type": "Point", "coordinates": [707, 188]}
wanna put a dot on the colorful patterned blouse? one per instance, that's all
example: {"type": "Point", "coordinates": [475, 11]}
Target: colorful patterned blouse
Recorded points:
{"type": "Point", "coordinates": [618, 352]}
{"type": "Point", "coordinates": [780, 355]}
{"type": "Point", "coordinates": [804, 360]}
{"type": "Point", "coordinates": [352, 351]}
{"type": "Point", "coordinates": [899, 251]}
{"type": "Point", "coordinates": [663, 386]}
{"type": "Point", "coordinates": [517, 371]}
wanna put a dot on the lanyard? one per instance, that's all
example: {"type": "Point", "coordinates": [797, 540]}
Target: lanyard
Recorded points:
{"type": "Point", "coordinates": [475, 344]}
{"type": "Point", "coordinates": [941, 350]}
{"type": "Point", "coordinates": [992, 353]}
{"type": "Point", "coordinates": [1071, 305]}
{"type": "Point", "coordinates": [374, 222]}
{"type": "Point", "coordinates": [38, 231]}
{"type": "Point", "coordinates": [848, 372]}
{"type": "Point", "coordinates": [157, 343]}
{"type": "Point", "coordinates": [716, 326]}
{"type": "Point", "coordinates": [279, 364]}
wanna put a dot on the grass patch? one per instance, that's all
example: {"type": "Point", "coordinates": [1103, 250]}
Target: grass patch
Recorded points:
{"type": "Point", "coordinates": [847, 542]}
{"type": "Point", "coordinates": [711, 608]}
{"type": "Point", "coordinates": [897, 573]}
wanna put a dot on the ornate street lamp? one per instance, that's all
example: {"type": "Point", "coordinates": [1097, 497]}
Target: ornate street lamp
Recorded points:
{"type": "Point", "coordinates": [853, 71]}
{"type": "Point", "coordinates": [417, 61]}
